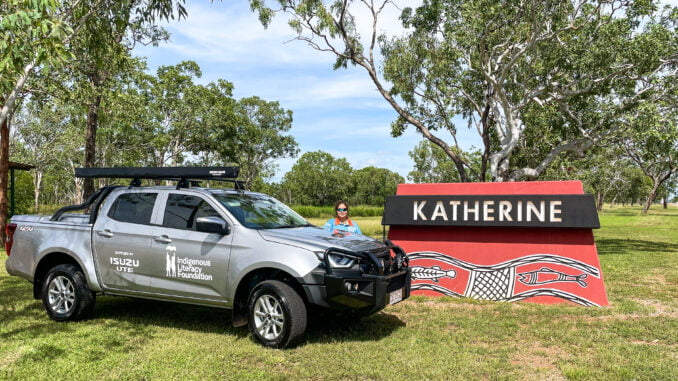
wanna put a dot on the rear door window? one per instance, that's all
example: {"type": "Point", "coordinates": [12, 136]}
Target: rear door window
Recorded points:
{"type": "Point", "coordinates": [182, 210]}
{"type": "Point", "coordinates": [134, 208]}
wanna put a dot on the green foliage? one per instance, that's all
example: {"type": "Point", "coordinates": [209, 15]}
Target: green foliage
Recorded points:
{"type": "Point", "coordinates": [148, 120]}
{"type": "Point", "coordinates": [31, 30]}
{"type": "Point", "coordinates": [318, 178]}
{"type": "Point", "coordinates": [249, 134]}
{"type": "Point", "coordinates": [372, 185]}
{"type": "Point", "coordinates": [649, 136]}
{"type": "Point", "coordinates": [535, 78]}
{"type": "Point", "coordinates": [310, 211]}
{"type": "Point", "coordinates": [432, 165]}
{"type": "Point", "coordinates": [23, 192]}
{"type": "Point", "coordinates": [326, 212]}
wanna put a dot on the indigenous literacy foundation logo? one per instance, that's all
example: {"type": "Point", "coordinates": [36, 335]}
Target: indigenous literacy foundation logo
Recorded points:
{"type": "Point", "coordinates": [184, 267]}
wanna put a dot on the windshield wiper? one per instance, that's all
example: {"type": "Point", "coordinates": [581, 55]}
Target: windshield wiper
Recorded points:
{"type": "Point", "coordinates": [290, 226]}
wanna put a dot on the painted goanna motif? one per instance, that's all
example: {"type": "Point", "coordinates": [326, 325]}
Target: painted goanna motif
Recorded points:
{"type": "Point", "coordinates": [497, 282]}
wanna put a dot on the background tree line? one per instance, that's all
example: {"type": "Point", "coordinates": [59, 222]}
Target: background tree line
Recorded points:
{"type": "Point", "coordinates": [607, 172]}
{"type": "Point", "coordinates": [157, 120]}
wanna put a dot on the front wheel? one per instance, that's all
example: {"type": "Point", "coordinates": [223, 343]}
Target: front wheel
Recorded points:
{"type": "Point", "coordinates": [65, 294]}
{"type": "Point", "coordinates": [277, 314]}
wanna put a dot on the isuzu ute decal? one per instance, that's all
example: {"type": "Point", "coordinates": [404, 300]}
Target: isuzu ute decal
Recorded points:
{"type": "Point", "coordinates": [124, 261]}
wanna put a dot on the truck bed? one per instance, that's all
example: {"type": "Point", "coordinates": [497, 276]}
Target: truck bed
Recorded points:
{"type": "Point", "coordinates": [70, 219]}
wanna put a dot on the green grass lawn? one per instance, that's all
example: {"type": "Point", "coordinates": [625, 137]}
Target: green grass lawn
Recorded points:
{"type": "Point", "coordinates": [636, 337]}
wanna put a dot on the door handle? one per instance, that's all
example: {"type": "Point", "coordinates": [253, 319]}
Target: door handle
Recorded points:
{"type": "Point", "coordinates": [105, 233]}
{"type": "Point", "coordinates": [162, 239]}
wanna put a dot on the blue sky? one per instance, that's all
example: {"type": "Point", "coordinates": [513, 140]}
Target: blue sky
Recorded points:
{"type": "Point", "coordinates": [339, 112]}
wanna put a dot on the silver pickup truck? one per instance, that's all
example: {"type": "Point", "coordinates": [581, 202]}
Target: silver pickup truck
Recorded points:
{"type": "Point", "coordinates": [227, 248]}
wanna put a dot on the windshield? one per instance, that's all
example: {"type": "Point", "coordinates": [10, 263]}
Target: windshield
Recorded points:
{"type": "Point", "coordinates": [260, 211]}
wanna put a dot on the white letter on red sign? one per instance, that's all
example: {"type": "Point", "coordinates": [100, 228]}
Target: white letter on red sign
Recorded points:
{"type": "Point", "coordinates": [475, 210]}
{"type": "Point", "coordinates": [488, 211]}
{"type": "Point", "coordinates": [504, 210]}
{"type": "Point", "coordinates": [417, 210]}
{"type": "Point", "coordinates": [454, 204]}
{"type": "Point", "coordinates": [555, 211]}
{"type": "Point", "coordinates": [439, 211]}
{"type": "Point", "coordinates": [532, 209]}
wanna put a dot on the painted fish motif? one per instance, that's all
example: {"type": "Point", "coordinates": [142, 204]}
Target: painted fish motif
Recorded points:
{"type": "Point", "coordinates": [433, 273]}
{"type": "Point", "coordinates": [546, 275]}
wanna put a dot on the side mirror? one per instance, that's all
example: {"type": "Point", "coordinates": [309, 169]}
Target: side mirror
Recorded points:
{"type": "Point", "coordinates": [212, 225]}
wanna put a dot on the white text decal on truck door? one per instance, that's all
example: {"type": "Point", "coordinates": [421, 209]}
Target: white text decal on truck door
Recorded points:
{"type": "Point", "coordinates": [124, 264]}
{"type": "Point", "coordinates": [184, 267]}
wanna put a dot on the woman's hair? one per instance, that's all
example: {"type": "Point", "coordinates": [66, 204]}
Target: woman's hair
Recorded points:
{"type": "Point", "coordinates": [336, 206]}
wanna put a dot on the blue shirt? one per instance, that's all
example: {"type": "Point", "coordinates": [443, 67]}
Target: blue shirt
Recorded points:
{"type": "Point", "coordinates": [335, 226]}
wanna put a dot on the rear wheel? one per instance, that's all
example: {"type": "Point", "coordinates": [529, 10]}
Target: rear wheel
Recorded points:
{"type": "Point", "coordinates": [65, 294]}
{"type": "Point", "coordinates": [277, 314]}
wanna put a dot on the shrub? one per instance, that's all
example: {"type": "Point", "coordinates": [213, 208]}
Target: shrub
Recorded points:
{"type": "Point", "coordinates": [309, 211]}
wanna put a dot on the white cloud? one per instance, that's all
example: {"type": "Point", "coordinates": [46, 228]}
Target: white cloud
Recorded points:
{"type": "Point", "coordinates": [231, 33]}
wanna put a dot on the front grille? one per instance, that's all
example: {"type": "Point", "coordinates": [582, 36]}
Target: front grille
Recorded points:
{"type": "Point", "coordinates": [383, 255]}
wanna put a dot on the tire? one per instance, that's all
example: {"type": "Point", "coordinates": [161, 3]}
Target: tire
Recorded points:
{"type": "Point", "coordinates": [277, 314]}
{"type": "Point", "coordinates": [65, 294]}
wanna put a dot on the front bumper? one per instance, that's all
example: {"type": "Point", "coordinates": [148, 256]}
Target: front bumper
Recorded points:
{"type": "Point", "coordinates": [372, 291]}
{"type": "Point", "coordinates": [384, 278]}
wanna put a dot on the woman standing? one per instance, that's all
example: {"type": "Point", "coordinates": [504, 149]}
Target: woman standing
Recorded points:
{"type": "Point", "coordinates": [342, 224]}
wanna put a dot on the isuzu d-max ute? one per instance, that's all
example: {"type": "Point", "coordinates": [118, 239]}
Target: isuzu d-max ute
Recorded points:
{"type": "Point", "coordinates": [235, 249]}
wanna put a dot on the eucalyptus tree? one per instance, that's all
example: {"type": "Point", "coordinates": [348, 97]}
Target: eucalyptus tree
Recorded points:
{"type": "Point", "coordinates": [260, 138]}
{"type": "Point", "coordinates": [432, 165]}
{"type": "Point", "coordinates": [604, 172]}
{"type": "Point", "coordinates": [122, 136]}
{"type": "Point", "coordinates": [372, 185]}
{"type": "Point", "coordinates": [499, 65]}
{"type": "Point", "coordinates": [33, 33]}
{"type": "Point", "coordinates": [175, 106]}
{"type": "Point", "coordinates": [650, 139]}
{"type": "Point", "coordinates": [249, 132]}
{"type": "Point", "coordinates": [103, 50]}
{"type": "Point", "coordinates": [318, 178]}
{"type": "Point", "coordinates": [39, 132]}
{"type": "Point", "coordinates": [43, 34]}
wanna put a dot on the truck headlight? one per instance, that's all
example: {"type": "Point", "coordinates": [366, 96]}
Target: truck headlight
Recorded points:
{"type": "Point", "coordinates": [341, 261]}
{"type": "Point", "coordinates": [337, 260]}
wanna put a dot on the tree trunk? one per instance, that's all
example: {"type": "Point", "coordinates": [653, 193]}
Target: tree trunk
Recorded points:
{"type": "Point", "coordinates": [651, 197]}
{"type": "Point", "coordinates": [37, 184]}
{"type": "Point", "coordinates": [599, 202]}
{"type": "Point", "coordinates": [91, 142]}
{"type": "Point", "coordinates": [665, 202]}
{"type": "Point", "coordinates": [4, 171]}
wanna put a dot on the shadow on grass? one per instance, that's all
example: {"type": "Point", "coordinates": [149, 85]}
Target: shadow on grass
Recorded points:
{"type": "Point", "coordinates": [165, 314]}
{"type": "Point", "coordinates": [613, 246]}
{"type": "Point", "coordinates": [623, 213]}
{"type": "Point", "coordinates": [129, 317]}
{"type": "Point", "coordinates": [217, 320]}
{"type": "Point", "coordinates": [324, 328]}
{"type": "Point", "coordinates": [663, 214]}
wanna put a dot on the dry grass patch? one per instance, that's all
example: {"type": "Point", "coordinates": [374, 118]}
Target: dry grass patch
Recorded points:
{"type": "Point", "coordinates": [539, 362]}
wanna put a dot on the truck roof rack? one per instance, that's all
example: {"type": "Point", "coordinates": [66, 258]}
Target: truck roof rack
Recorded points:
{"type": "Point", "coordinates": [185, 176]}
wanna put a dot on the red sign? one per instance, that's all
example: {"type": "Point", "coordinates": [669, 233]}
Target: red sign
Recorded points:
{"type": "Point", "coordinates": [551, 258]}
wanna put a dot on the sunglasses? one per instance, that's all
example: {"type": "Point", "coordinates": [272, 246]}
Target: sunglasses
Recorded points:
{"type": "Point", "coordinates": [342, 210]}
